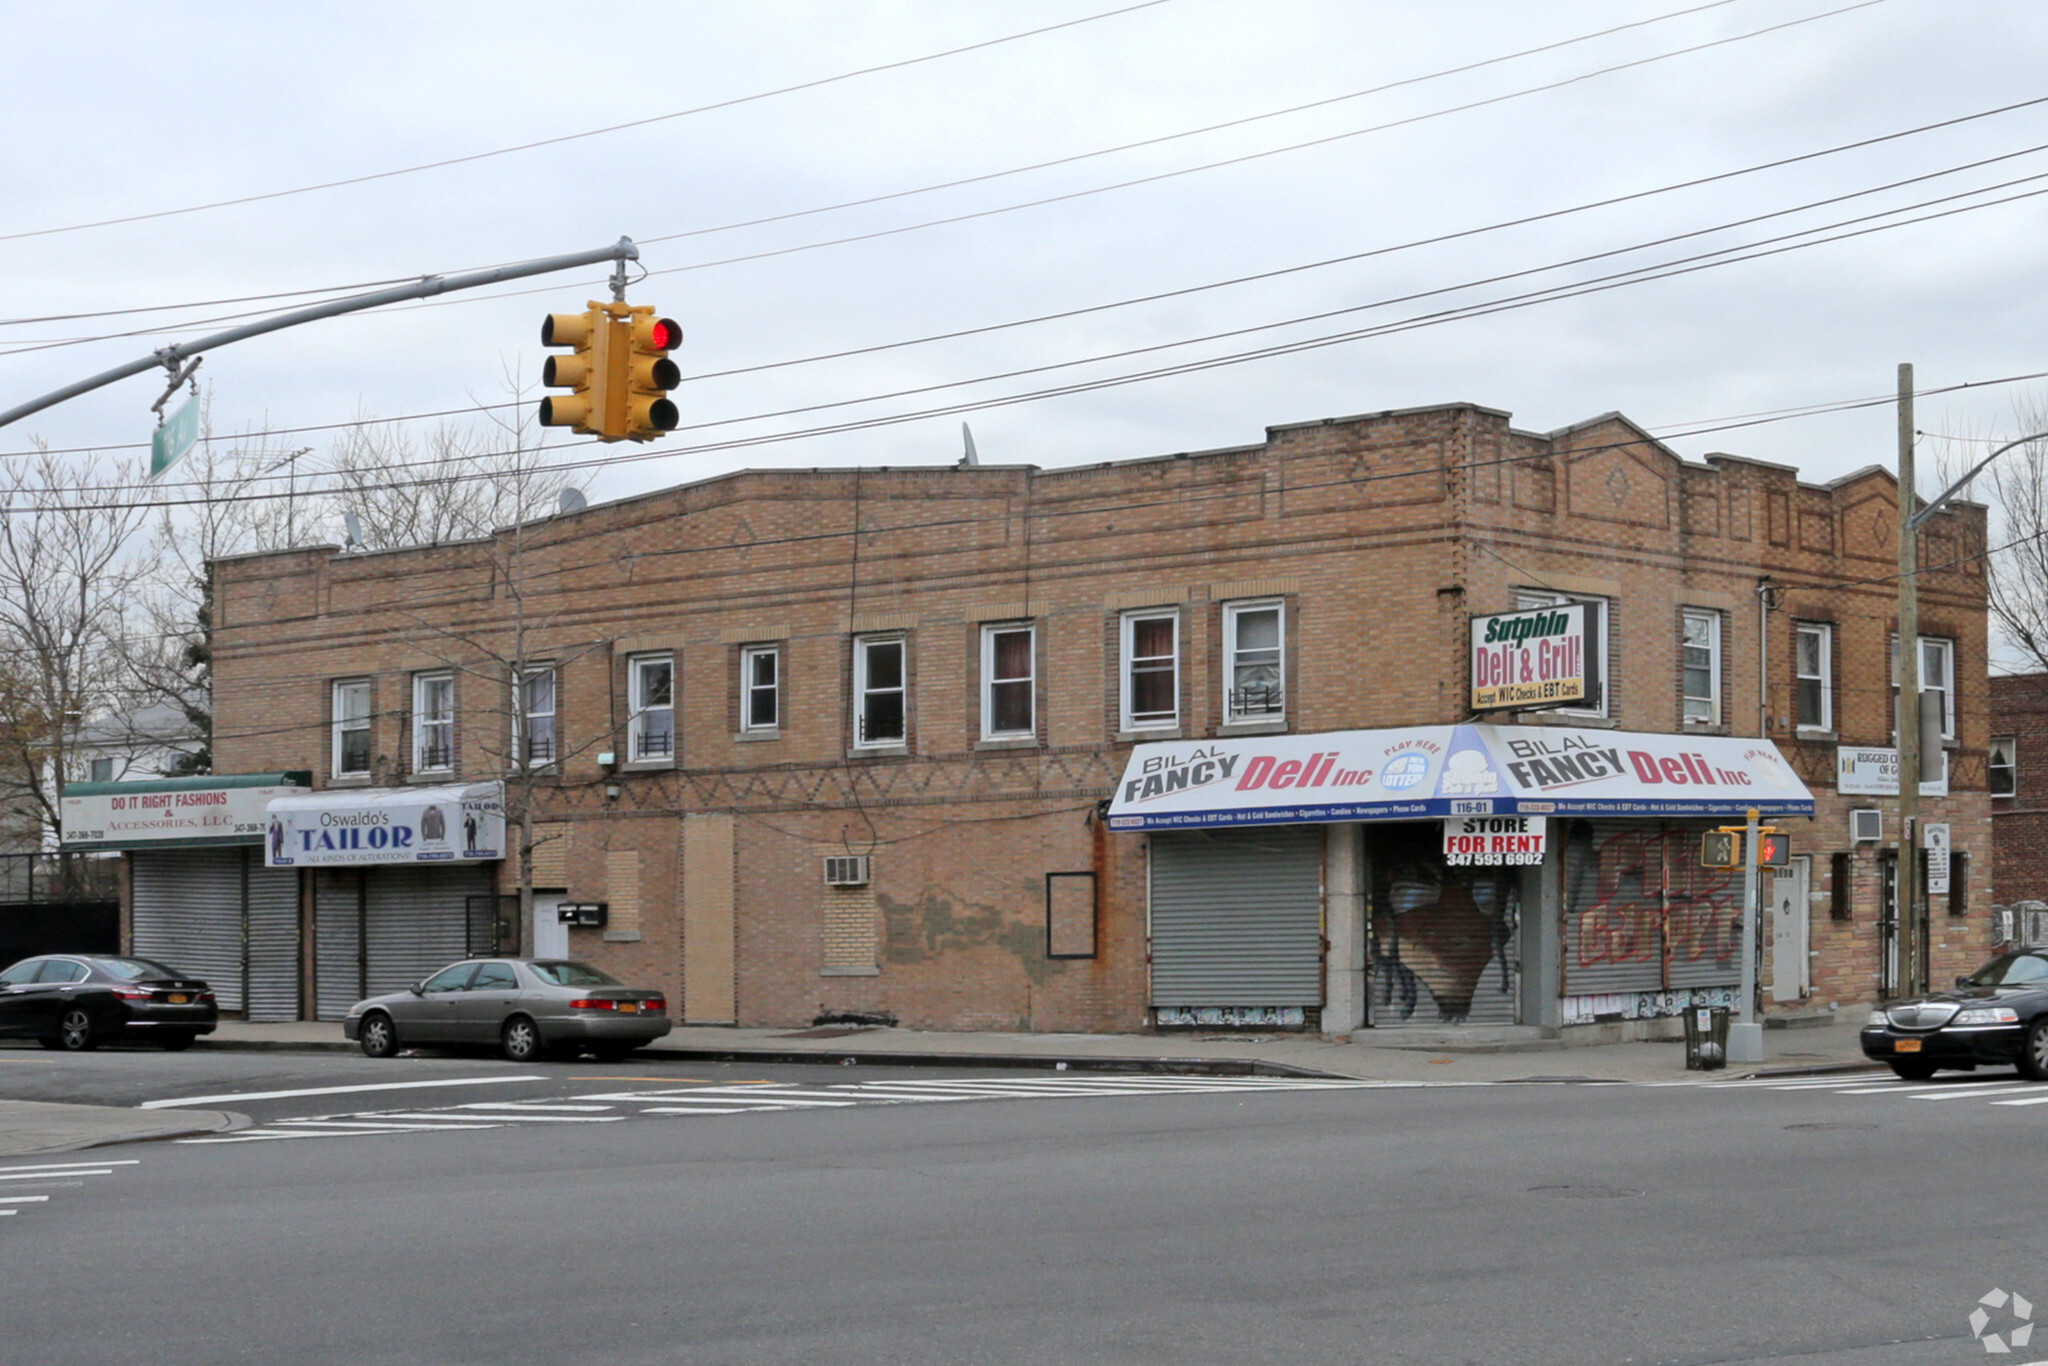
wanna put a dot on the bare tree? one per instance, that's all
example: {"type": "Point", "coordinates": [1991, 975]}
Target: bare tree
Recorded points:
{"type": "Point", "coordinates": [2016, 487]}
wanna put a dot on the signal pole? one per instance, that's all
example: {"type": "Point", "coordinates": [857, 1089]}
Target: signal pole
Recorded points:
{"type": "Point", "coordinates": [1745, 1035]}
{"type": "Point", "coordinates": [1906, 719]}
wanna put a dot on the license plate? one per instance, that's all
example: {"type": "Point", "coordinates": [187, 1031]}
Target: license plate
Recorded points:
{"type": "Point", "coordinates": [1906, 1046]}
{"type": "Point", "coordinates": [628, 1007]}
{"type": "Point", "coordinates": [178, 998]}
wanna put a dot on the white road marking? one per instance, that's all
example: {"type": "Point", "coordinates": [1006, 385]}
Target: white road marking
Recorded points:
{"type": "Point", "coordinates": [74, 1171]}
{"type": "Point", "coordinates": [72, 1167]}
{"type": "Point", "coordinates": [368, 1124]}
{"type": "Point", "coordinates": [333, 1091]}
{"type": "Point", "coordinates": [772, 1102]}
{"type": "Point", "coordinates": [699, 1110]}
{"type": "Point", "coordinates": [2024, 1100]}
{"type": "Point", "coordinates": [1974, 1091]}
{"type": "Point", "coordinates": [525, 1105]}
{"type": "Point", "coordinates": [21, 1200]}
{"type": "Point", "coordinates": [515, 1118]}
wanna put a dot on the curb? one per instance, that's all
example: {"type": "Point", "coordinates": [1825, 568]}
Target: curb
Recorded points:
{"type": "Point", "coordinates": [1819, 1069]}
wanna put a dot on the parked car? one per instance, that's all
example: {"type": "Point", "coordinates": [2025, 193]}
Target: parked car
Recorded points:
{"type": "Point", "coordinates": [1997, 1016]}
{"type": "Point", "coordinates": [528, 1007]}
{"type": "Point", "coordinates": [76, 1000]}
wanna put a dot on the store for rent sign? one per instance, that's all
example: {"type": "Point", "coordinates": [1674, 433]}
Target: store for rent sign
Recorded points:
{"type": "Point", "coordinates": [1493, 841]}
{"type": "Point", "coordinates": [1540, 657]}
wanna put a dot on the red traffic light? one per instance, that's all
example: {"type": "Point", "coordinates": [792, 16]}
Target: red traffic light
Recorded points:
{"type": "Point", "coordinates": [665, 334]}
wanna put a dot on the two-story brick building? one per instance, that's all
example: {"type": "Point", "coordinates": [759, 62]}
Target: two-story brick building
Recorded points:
{"type": "Point", "coordinates": [842, 742]}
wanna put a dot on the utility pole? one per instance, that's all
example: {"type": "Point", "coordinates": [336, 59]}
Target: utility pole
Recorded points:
{"type": "Point", "coordinates": [1906, 720]}
{"type": "Point", "coordinates": [1746, 1032]}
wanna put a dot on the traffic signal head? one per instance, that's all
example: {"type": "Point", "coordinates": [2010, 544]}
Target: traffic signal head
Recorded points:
{"type": "Point", "coordinates": [1721, 849]}
{"type": "Point", "coordinates": [583, 370]}
{"type": "Point", "coordinates": [1773, 850]}
{"type": "Point", "coordinates": [650, 374]}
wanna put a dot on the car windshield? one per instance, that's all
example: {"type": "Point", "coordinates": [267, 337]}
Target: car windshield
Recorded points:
{"type": "Point", "coordinates": [132, 969]}
{"type": "Point", "coordinates": [567, 974]}
{"type": "Point", "coordinates": [2010, 970]}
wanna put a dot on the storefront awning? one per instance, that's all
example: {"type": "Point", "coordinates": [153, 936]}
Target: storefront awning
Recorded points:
{"type": "Point", "coordinates": [461, 823]}
{"type": "Point", "coordinates": [1473, 770]}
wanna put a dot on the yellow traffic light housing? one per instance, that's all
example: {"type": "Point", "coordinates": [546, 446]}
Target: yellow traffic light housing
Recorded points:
{"type": "Point", "coordinates": [618, 372]}
{"type": "Point", "coordinates": [1773, 850]}
{"type": "Point", "coordinates": [650, 374]}
{"type": "Point", "coordinates": [584, 370]}
{"type": "Point", "coordinates": [1721, 849]}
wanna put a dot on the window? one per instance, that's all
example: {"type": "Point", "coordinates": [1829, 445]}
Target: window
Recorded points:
{"type": "Point", "coordinates": [880, 691]}
{"type": "Point", "coordinates": [433, 722]}
{"type": "Point", "coordinates": [61, 970]}
{"type": "Point", "coordinates": [1596, 642]}
{"type": "Point", "coordinates": [760, 688]}
{"type": "Point", "coordinates": [651, 681]}
{"type": "Point", "coordinates": [537, 717]}
{"type": "Point", "coordinates": [1700, 667]}
{"type": "Point", "coordinates": [1150, 695]}
{"type": "Point", "coordinates": [2002, 765]}
{"type": "Point", "coordinates": [351, 728]}
{"type": "Point", "coordinates": [21, 973]}
{"type": "Point", "coordinates": [494, 977]}
{"type": "Point", "coordinates": [449, 979]}
{"type": "Point", "coordinates": [1254, 662]}
{"type": "Point", "coordinates": [1008, 682]}
{"type": "Point", "coordinates": [1937, 678]}
{"type": "Point", "coordinates": [1813, 650]}
{"type": "Point", "coordinates": [103, 770]}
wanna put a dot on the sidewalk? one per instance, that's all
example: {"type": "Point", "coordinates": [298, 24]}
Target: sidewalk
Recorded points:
{"type": "Point", "coordinates": [32, 1127]}
{"type": "Point", "coordinates": [1479, 1055]}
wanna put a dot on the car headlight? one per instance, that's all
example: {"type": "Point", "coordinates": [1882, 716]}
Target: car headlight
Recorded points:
{"type": "Point", "coordinates": [1876, 1019]}
{"type": "Point", "coordinates": [1989, 1015]}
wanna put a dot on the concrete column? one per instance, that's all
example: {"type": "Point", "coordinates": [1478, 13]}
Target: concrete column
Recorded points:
{"type": "Point", "coordinates": [1344, 893]}
{"type": "Point", "coordinates": [1542, 933]}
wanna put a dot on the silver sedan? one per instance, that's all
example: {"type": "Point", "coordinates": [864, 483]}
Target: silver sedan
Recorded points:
{"type": "Point", "coordinates": [528, 1007]}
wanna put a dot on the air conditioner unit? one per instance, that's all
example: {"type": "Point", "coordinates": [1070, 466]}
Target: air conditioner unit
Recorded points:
{"type": "Point", "coordinates": [1866, 825]}
{"type": "Point", "coordinates": [846, 870]}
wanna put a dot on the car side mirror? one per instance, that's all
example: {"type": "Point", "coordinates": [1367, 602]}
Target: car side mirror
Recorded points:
{"type": "Point", "coordinates": [418, 988]}
{"type": "Point", "coordinates": [1963, 982]}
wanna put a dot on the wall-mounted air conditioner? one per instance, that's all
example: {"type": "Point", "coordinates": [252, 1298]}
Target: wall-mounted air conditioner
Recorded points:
{"type": "Point", "coordinates": [1866, 825]}
{"type": "Point", "coordinates": [846, 870]}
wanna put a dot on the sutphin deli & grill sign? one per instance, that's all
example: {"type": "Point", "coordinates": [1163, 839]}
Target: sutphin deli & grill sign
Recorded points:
{"type": "Point", "coordinates": [1538, 657]}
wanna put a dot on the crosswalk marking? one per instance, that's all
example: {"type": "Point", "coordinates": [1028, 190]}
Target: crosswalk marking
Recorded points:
{"type": "Point", "coordinates": [54, 1175]}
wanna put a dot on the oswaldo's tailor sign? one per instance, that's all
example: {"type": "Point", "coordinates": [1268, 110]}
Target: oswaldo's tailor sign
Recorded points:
{"type": "Point", "coordinates": [1472, 770]}
{"type": "Point", "coordinates": [460, 824]}
{"type": "Point", "coordinates": [1541, 657]}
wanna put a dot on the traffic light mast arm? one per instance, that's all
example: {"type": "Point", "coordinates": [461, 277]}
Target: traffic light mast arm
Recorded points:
{"type": "Point", "coordinates": [171, 357]}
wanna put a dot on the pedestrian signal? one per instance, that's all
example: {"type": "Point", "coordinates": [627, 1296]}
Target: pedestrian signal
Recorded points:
{"type": "Point", "coordinates": [1721, 849]}
{"type": "Point", "coordinates": [1773, 850]}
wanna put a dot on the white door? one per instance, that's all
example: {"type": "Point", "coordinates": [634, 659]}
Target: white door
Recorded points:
{"type": "Point", "coordinates": [550, 935]}
{"type": "Point", "coordinates": [1789, 905]}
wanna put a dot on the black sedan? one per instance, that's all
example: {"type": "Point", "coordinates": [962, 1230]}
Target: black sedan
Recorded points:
{"type": "Point", "coordinates": [1997, 1016]}
{"type": "Point", "coordinates": [76, 1000]}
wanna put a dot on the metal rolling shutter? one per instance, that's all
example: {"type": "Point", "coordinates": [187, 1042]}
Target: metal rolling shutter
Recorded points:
{"type": "Point", "coordinates": [337, 941]}
{"type": "Point", "coordinates": [418, 921]}
{"type": "Point", "coordinates": [1445, 942]}
{"type": "Point", "coordinates": [1635, 895]}
{"type": "Point", "coordinates": [273, 942]}
{"type": "Point", "coordinates": [1237, 917]}
{"type": "Point", "coordinates": [188, 915]}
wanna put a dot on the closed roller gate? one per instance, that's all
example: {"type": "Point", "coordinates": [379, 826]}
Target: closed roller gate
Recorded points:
{"type": "Point", "coordinates": [1444, 941]}
{"type": "Point", "coordinates": [1237, 918]}
{"type": "Point", "coordinates": [218, 914]}
{"type": "Point", "coordinates": [381, 929]}
{"type": "Point", "coordinates": [1643, 918]}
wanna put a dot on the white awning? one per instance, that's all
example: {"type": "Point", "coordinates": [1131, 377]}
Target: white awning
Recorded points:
{"type": "Point", "coordinates": [460, 823]}
{"type": "Point", "coordinates": [1419, 772]}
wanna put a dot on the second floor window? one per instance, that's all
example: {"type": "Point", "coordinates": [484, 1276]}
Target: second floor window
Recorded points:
{"type": "Point", "coordinates": [1700, 667]}
{"type": "Point", "coordinates": [103, 770]}
{"type": "Point", "coordinates": [651, 689]}
{"type": "Point", "coordinates": [1813, 649]}
{"type": "Point", "coordinates": [1254, 662]}
{"type": "Point", "coordinates": [433, 722]}
{"type": "Point", "coordinates": [351, 728]}
{"type": "Point", "coordinates": [1150, 691]}
{"type": "Point", "coordinates": [2003, 765]}
{"type": "Point", "coordinates": [1008, 682]}
{"type": "Point", "coordinates": [537, 717]}
{"type": "Point", "coordinates": [880, 691]}
{"type": "Point", "coordinates": [1937, 677]}
{"type": "Point", "coordinates": [760, 688]}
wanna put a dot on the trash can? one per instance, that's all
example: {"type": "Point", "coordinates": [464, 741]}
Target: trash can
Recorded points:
{"type": "Point", "coordinates": [1706, 1038]}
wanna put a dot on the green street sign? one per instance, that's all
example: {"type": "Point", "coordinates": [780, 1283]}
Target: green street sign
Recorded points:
{"type": "Point", "coordinates": [178, 434]}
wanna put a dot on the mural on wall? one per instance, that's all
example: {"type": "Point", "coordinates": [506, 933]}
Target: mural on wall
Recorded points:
{"type": "Point", "coordinates": [1443, 941]}
{"type": "Point", "coordinates": [1642, 916]}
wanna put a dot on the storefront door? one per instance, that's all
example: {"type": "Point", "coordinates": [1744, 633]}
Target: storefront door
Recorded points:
{"type": "Point", "coordinates": [1237, 926]}
{"type": "Point", "coordinates": [1444, 942]}
{"type": "Point", "coordinates": [1789, 906]}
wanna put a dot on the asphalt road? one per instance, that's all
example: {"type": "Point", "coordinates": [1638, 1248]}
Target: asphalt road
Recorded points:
{"type": "Point", "coordinates": [1513, 1223]}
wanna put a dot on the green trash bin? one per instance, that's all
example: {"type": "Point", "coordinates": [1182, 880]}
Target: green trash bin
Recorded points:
{"type": "Point", "coordinates": [1706, 1038]}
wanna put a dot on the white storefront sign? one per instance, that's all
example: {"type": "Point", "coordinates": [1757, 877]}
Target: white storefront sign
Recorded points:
{"type": "Point", "coordinates": [1936, 842]}
{"type": "Point", "coordinates": [1541, 657]}
{"type": "Point", "coordinates": [143, 817]}
{"type": "Point", "coordinates": [1467, 770]}
{"type": "Point", "coordinates": [457, 824]}
{"type": "Point", "coordinates": [1870, 771]}
{"type": "Point", "coordinates": [1494, 841]}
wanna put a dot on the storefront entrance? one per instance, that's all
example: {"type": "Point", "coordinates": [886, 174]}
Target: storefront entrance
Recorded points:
{"type": "Point", "coordinates": [1236, 919]}
{"type": "Point", "coordinates": [1444, 943]}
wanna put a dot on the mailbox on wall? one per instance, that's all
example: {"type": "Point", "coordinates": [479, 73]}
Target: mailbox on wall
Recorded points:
{"type": "Point", "coordinates": [585, 913]}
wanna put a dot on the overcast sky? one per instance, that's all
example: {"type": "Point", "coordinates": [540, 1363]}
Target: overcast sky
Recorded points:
{"type": "Point", "coordinates": [121, 110]}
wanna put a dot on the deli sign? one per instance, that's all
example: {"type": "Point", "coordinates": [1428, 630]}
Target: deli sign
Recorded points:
{"type": "Point", "coordinates": [1538, 657]}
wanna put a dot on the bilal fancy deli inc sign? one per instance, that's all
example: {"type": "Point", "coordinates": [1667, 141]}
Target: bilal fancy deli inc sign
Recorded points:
{"type": "Point", "coordinates": [1451, 771]}
{"type": "Point", "coordinates": [1541, 657]}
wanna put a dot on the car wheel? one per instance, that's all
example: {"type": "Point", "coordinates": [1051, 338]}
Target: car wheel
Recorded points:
{"type": "Point", "coordinates": [75, 1033]}
{"type": "Point", "coordinates": [175, 1042]}
{"type": "Point", "coordinates": [378, 1036]}
{"type": "Point", "coordinates": [1913, 1071]}
{"type": "Point", "coordinates": [2034, 1057]}
{"type": "Point", "coordinates": [520, 1041]}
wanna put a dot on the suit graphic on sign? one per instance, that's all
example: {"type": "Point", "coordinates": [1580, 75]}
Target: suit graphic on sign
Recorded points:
{"type": "Point", "coordinates": [433, 825]}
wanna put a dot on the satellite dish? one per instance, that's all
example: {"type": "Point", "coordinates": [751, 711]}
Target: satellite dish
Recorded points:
{"type": "Point", "coordinates": [571, 500]}
{"type": "Point", "coordinates": [355, 531]}
{"type": "Point", "coordinates": [970, 460]}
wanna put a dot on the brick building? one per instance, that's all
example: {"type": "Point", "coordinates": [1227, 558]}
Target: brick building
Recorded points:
{"type": "Point", "coordinates": [2018, 782]}
{"type": "Point", "coordinates": [840, 742]}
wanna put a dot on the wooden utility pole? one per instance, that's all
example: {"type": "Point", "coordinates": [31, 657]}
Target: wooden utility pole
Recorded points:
{"type": "Point", "coordinates": [1906, 719]}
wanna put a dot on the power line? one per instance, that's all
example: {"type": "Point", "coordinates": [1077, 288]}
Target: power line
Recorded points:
{"type": "Point", "coordinates": [592, 132]}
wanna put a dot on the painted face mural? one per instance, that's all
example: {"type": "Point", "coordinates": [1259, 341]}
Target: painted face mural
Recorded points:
{"type": "Point", "coordinates": [1443, 939]}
